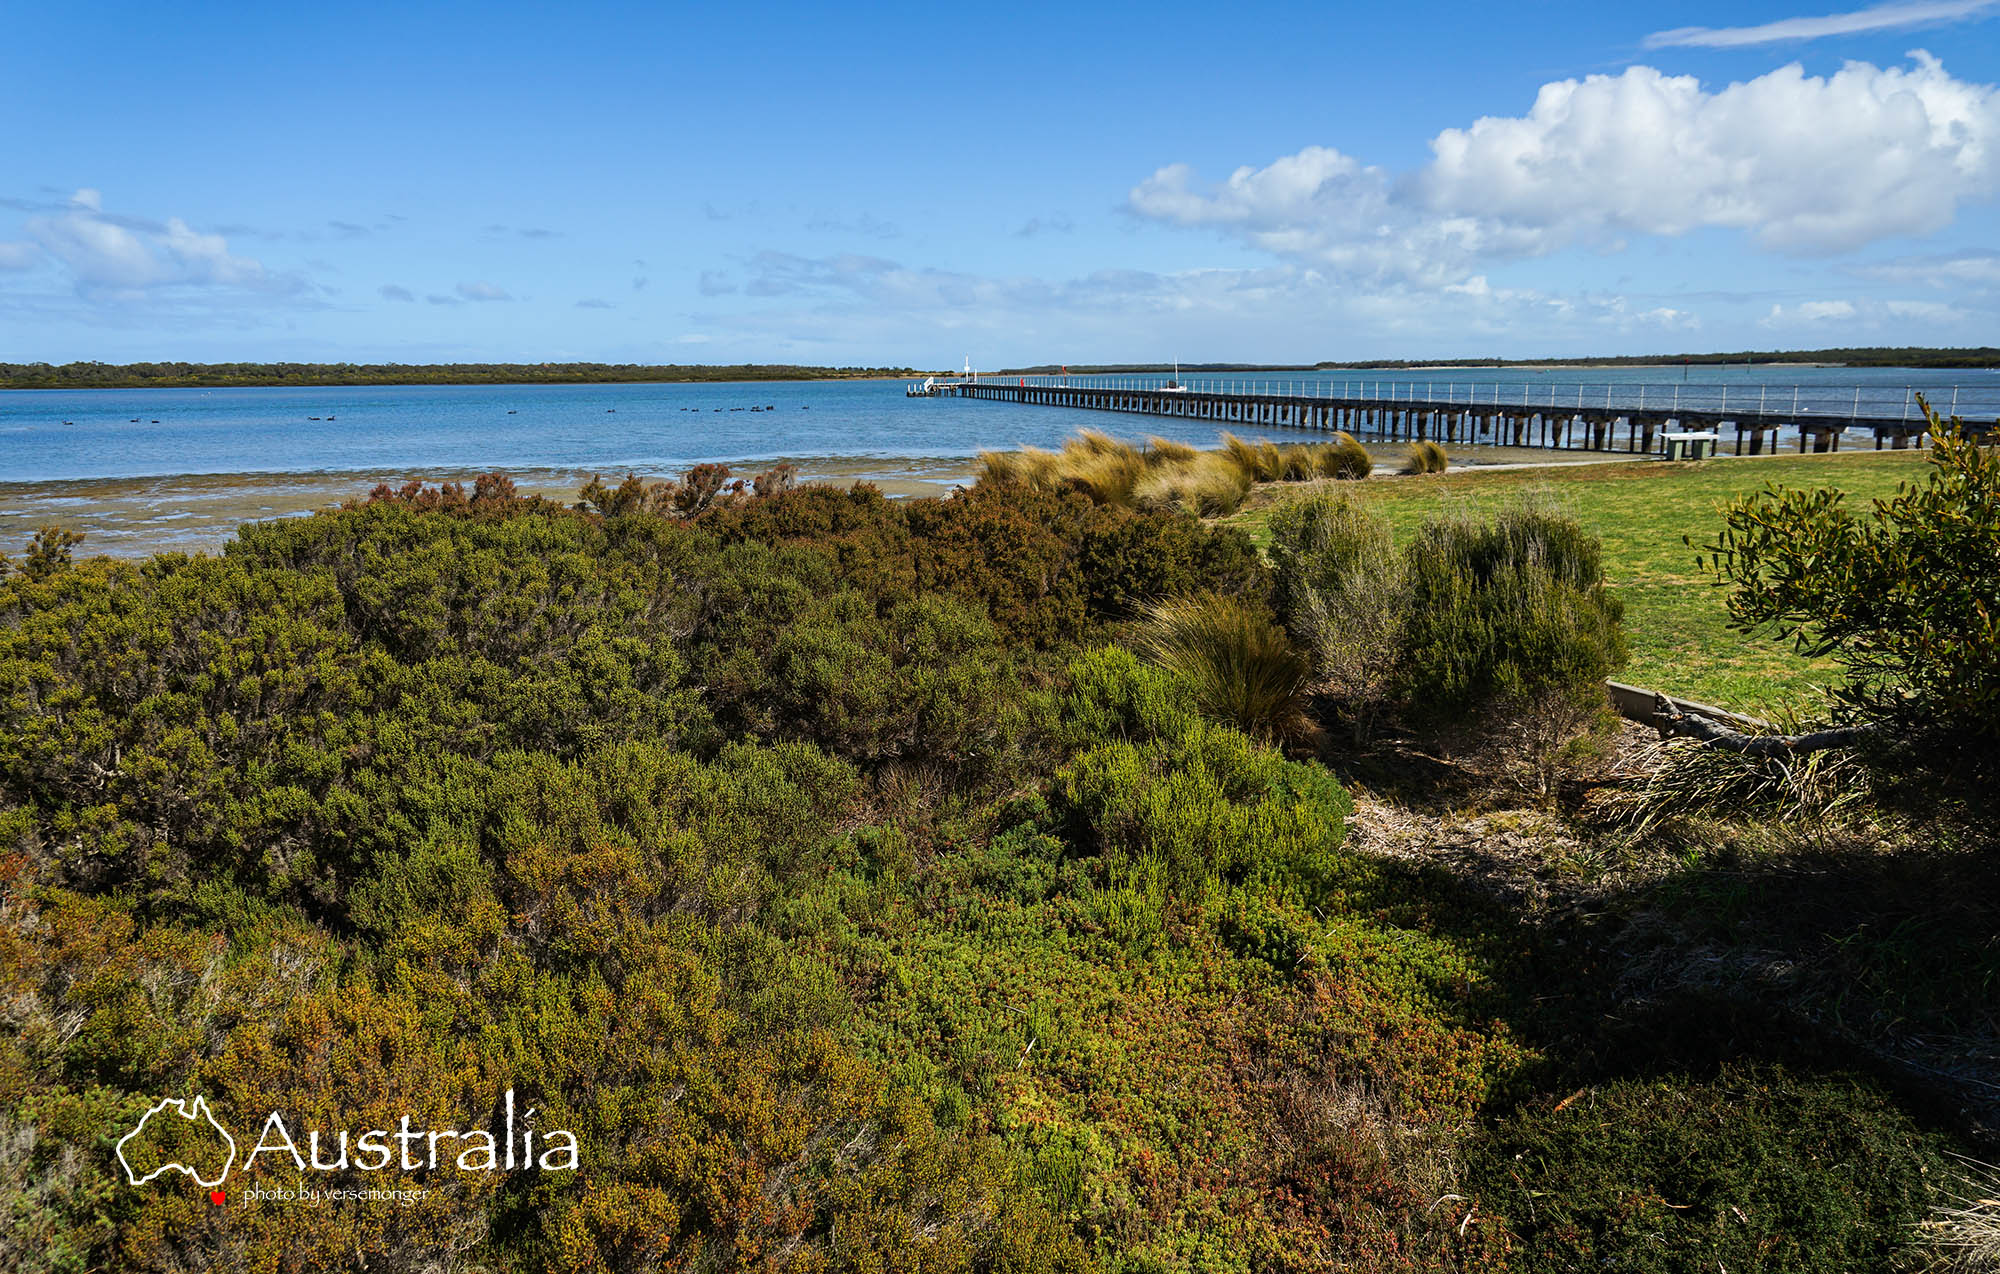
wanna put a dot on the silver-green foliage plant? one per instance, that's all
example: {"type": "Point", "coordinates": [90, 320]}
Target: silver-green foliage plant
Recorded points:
{"type": "Point", "coordinates": [1343, 594]}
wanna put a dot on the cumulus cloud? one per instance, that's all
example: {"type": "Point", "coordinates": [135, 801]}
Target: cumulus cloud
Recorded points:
{"type": "Point", "coordinates": [19, 256]}
{"type": "Point", "coordinates": [483, 292]}
{"type": "Point", "coordinates": [115, 254]}
{"type": "Point", "coordinates": [392, 292]}
{"type": "Point", "coordinates": [1898, 16]}
{"type": "Point", "coordinates": [1802, 164]}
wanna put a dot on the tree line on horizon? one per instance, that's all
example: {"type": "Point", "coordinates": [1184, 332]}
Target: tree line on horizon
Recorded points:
{"type": "Point", "coordinates": [93, 375]}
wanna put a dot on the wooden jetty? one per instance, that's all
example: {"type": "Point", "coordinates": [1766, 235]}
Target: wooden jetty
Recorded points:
{"type": "Point", "coordinates": [1492, 415]}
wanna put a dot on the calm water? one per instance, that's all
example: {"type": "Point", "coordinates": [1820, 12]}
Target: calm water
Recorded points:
{"type": "Point", "coordinates": [50, 435]}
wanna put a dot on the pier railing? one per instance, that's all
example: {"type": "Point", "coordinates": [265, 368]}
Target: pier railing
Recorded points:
{"type": "Point", "coordinates": [1572, 415]}
{"type": "Point", "coordinates": [1872, 403]}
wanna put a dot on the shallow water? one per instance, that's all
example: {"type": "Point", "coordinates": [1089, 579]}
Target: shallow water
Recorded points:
{"type": "Point", "coordinates": [659, 430]}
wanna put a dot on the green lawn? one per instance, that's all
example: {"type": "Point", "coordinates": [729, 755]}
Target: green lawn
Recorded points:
{"type": "Point", "coordinates": [1681, 642]}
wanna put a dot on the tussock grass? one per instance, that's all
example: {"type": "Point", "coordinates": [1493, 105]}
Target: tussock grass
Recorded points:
{"type": "Point", "coordinates": [1102, 467]}
{"type": "Point", "coordinates": [1345, 458]}
{"type": "Point", "coordinates": [1168, 474]}
{"type": "Point", "coordinates": [1426, 457]}
{"type": "Point", "coordinates": [1209, 486]}
{"type": "Point", "coordinates": [1240, 667]}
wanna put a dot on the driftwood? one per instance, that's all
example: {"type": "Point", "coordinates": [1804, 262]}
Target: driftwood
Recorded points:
{"type": "Point", "coordinates": [1674, 722]}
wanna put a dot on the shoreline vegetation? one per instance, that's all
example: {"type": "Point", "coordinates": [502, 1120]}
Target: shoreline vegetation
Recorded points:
{"type": "Point", "coordinates": [1041, 880]}
{"type": "Point", "coordinates": [269, 375]}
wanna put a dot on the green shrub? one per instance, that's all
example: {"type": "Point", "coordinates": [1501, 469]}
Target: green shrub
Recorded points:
{"type": "Point", "coordinates": [1240, 667]}
{"type": "Point", "coordinates": [1510, 629]}
{"type": "Point", "coordinates": [1203, 808]}
{"type": "Point", "coordinates": [1905, 596]}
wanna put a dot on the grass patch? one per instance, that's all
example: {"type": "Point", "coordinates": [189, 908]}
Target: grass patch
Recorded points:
{"type": "Point", "coordinates": [1680, 639]}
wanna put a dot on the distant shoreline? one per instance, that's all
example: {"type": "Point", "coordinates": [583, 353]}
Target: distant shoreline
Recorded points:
{"type": "Point", "coordinates": [88, 376]}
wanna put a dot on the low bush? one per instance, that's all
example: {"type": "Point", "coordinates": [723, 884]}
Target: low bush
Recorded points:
{"type": "Point", "coordinates": [1342, 593]}
{"type": "Point", "coordinates": [1511, 630]}
{"type": "Point", "coordinates": [1758, 1168]}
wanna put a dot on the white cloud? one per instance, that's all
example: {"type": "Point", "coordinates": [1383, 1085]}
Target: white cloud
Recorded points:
{"type": "Point", "coordinates": [1899, 16]}
{"type": "Point", "coordinates": [483, 292]}
{"type": "Point", "coordinates": [1954, 270]}
{"type": "Point", "coordinates": [19, 256]}
{"type": "Point", "coordinates": [117, 254]}
{"type": "Point", "coordinates": [1891, 315]}
{"type": "Point", "coordinates": [1803, 164]}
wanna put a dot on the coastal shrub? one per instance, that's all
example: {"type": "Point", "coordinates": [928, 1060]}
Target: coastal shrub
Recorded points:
{"type": "Point", "coordinates": [1510, 630]}
{"type": "Point", "coordinates": [928, 681]}
{"type": "Point", "coordinates": [1343, 594]}
{"type": "Point", "coordinates": [1201, 809]}
{"type": "Point", "coordinates": [1239, 666]}
{"type": "Point", "coordinates": [1905, 596]}
{"type": "Point", "coordinates": [1758, 1167]}
{"type": "Point", "coordinates": [1425, 457]}
{"type": "Point", "coordinates": [52, 549]}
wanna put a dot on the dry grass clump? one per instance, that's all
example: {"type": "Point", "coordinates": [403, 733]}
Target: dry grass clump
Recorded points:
{"type": "Point", "coordinates": [1963, 1231]}
{"type": "Point", "coordinates": [1426, 457]}
{"type": "Point", "coordinates": [1102, 467]}
{"type": "Point", "coordinates": [1167, 474]}
{"type": "Point", "coordinates": [1209, 486]}
{"type": "Point", "coordinates": [1689, 779]}
{"type": "Point", "coordinates": [1345, 458]}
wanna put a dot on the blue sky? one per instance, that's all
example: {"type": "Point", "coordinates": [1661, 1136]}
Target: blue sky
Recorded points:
{"type": "Point", "coordinates": [916, 185]}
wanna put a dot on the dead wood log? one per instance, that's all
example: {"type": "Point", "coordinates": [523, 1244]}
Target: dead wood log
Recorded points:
{"type": "Point", "coordinates": [1673, 722]}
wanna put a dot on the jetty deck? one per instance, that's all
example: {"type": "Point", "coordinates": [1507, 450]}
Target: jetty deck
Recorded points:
{"type": "Point", "coordinates": [1633, 418]}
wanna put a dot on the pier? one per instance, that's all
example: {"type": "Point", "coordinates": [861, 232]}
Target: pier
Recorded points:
{"type": "Point", "coordinates": [1632, 418]}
